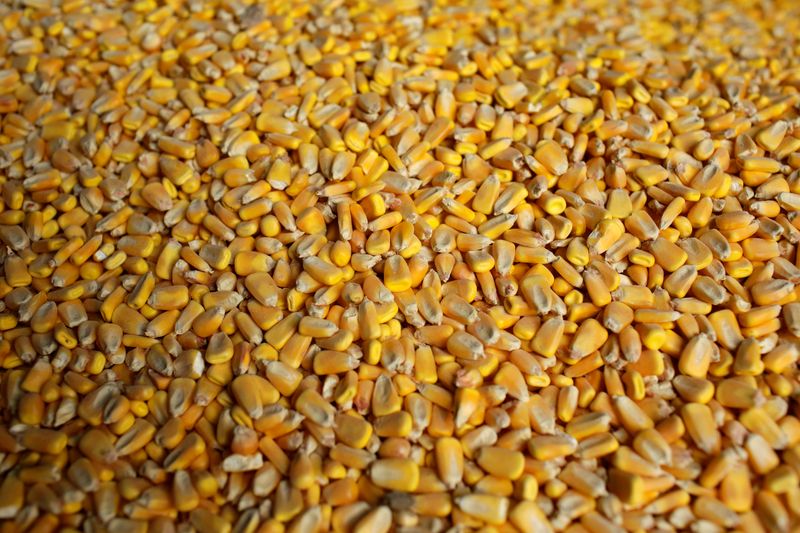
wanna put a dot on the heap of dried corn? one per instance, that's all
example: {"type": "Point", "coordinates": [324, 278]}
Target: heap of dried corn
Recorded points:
{"type": "Point", "coordinates": [399, 266]}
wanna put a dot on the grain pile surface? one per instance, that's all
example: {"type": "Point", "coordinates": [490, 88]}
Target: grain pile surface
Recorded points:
{"type": "Point", "coordinates": [408, 266]}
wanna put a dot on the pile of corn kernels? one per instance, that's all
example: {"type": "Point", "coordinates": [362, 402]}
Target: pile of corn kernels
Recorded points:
{"type": "Point", "coordinates": [399, 265]}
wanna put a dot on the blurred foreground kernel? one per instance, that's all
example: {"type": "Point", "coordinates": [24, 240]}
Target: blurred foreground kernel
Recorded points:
{"type": "Point", "coordinates": [412, 266]}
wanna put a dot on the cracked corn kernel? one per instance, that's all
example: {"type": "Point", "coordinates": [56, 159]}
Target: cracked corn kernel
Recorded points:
{"type": "Point", "coordinates": [378, 267]}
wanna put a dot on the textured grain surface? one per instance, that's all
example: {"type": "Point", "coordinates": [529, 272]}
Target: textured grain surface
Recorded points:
{"type": "Point", "coordinates": [399, 266]}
